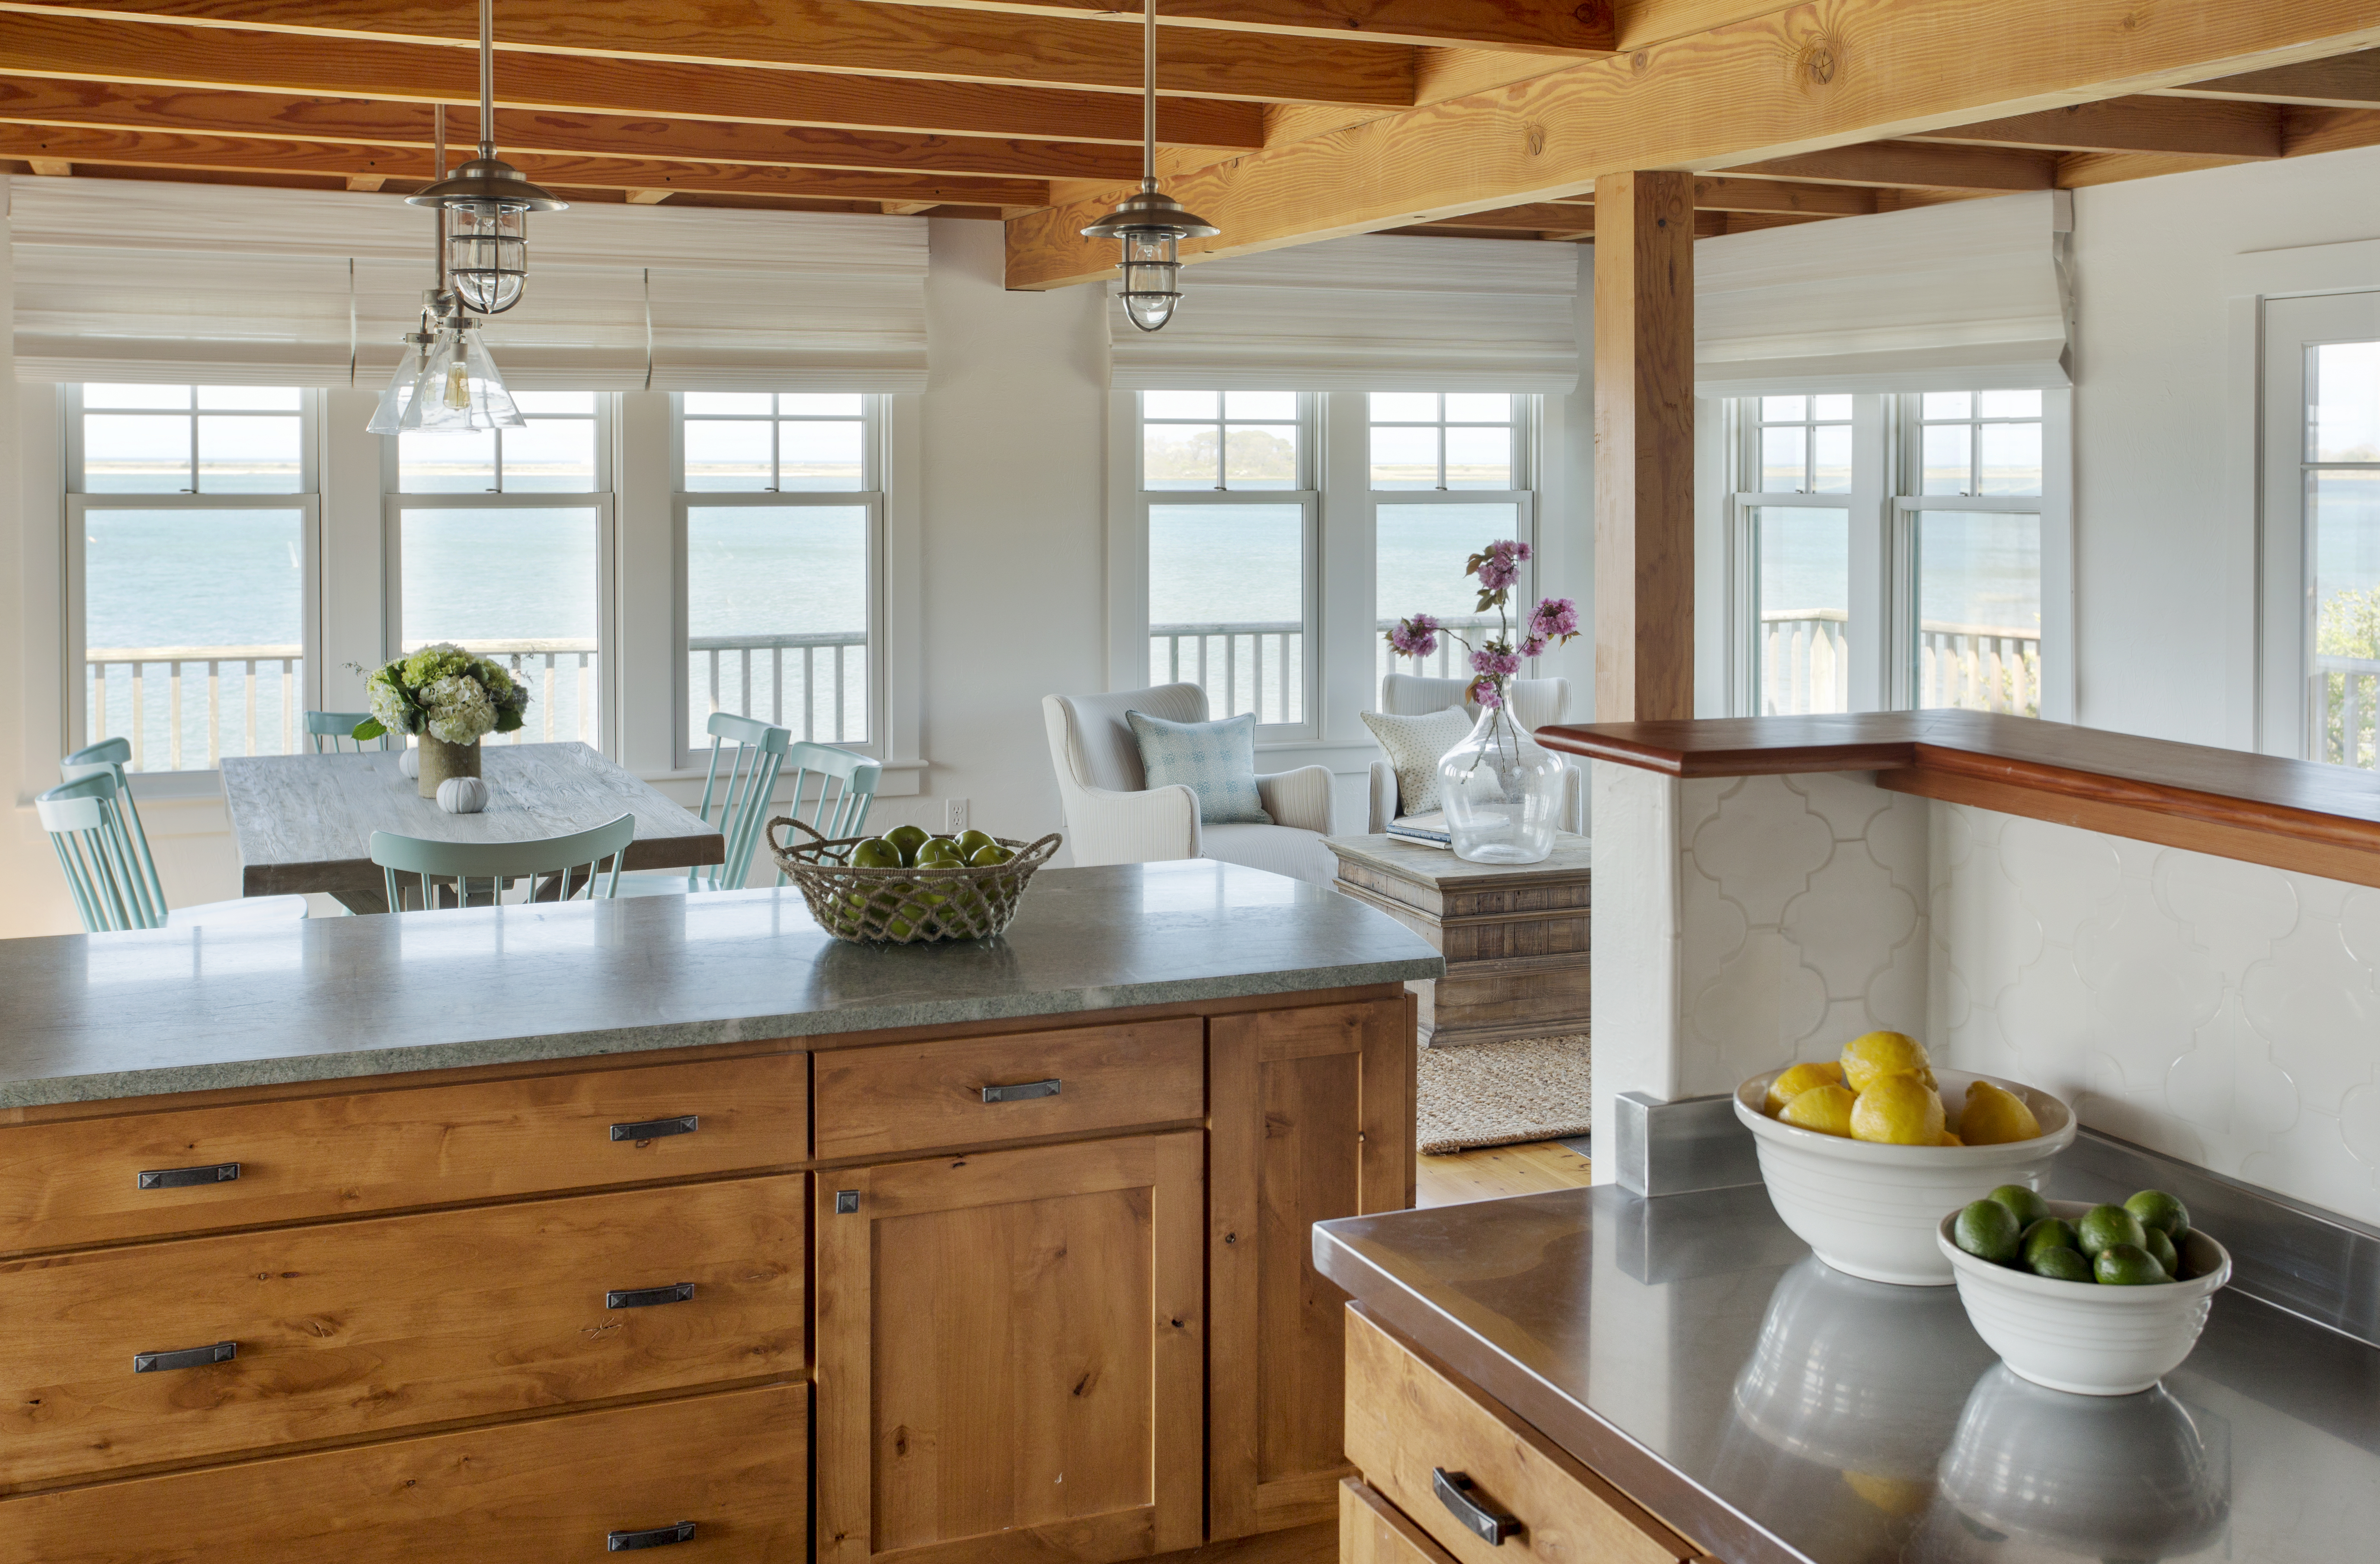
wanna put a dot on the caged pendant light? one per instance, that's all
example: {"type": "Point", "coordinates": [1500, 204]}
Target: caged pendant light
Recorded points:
{"type": "Point", "coordinates": [1151, 224]}
{"type": "Point", "coordinates": [444, 382]}
{"type": "Point", "coordinates": [487, 204]}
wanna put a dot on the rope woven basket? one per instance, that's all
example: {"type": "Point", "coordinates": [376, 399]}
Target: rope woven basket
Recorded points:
{"type": "Point", "coordinates": [904, 906]}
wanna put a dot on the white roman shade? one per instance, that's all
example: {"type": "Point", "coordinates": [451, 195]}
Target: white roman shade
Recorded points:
{"type": "Point", "coordinates": [1970, 295]}
{"type": "Point", "coordinates": [130, 280]}
{"type": "Point", "coordinates": [1373, 313]}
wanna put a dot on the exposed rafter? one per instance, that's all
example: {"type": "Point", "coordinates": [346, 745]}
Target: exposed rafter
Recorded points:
{"type": "Point", "coordinates": [2133, 125]}
{"type": "Point", "coordinates": [1550, 27]}
{"type": "Point", "coordinates": [2341, 82]}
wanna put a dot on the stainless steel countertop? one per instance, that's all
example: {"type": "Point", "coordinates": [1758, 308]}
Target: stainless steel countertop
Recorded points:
{"type": "Point", "coordinates": [1773, 1409]}
{"type": "Point", "coordinates": [89, 1017]}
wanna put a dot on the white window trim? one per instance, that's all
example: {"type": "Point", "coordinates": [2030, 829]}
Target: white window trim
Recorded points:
{"type": "Point", "coordinates": [76, 505]}
{"type": "Point", "coordinates": [1866, 502]}
{"type": "Point", "coordinates": [878, 458]}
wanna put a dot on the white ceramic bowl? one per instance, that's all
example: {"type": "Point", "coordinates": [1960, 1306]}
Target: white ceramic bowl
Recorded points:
{"type": "Point", "coordinates": [1872, 1209]}
{"type": "Point", "coordinates": [2080, 1337]}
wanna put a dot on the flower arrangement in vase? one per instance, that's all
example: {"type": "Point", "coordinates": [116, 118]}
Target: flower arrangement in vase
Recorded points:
{"type": "Point", "coordinates": [1501, 789]}
{"type": "Point", "coordinates": [450, 699]}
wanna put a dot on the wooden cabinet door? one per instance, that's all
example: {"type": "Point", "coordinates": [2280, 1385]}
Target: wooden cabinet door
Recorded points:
{"type": "Point", "coordinates": [1312, 1117]}
{"type": "Point", "coordinates": [1009, 1355]}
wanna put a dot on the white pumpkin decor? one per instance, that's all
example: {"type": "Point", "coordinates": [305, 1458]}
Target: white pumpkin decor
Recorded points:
{"type": "Point", "coordinates": [462, 795]}
{"type": "Point", "coordinates": [409, 761]}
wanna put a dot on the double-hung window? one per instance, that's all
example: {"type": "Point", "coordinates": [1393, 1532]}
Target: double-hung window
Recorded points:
{"type": "Point", "coordinates": [1794, 546]}
{"type": "Point", "coordinates": [780, 512]}
{"type": "Point", "coordinates": [501, 542]}
{"type": "Point", "coordinates": [1969, 514]}
{"type": "Point", "coordinates": [194, 527]}
{"type": "Point", "coordinates": [1447, 474]}
{"type": "Point", "coordinates": [1229, 508]}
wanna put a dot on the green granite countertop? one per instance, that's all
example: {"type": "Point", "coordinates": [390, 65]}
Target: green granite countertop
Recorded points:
{"type": "Point", "coordinates": [87, 1017]}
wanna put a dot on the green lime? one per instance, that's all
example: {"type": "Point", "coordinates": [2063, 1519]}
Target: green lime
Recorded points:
{"type": "Point", "coordinates": [2128, 1264]}
{"type": "Point", "coordinates": [2023, 1204]}
{"type": "Point", "coordinates": [2161, 1250]}
{"type": "Point", "coordinates": [2059, 1265]}
{"type": "Point", "coordinates": [2160, 1213]}
{"type": "Point", "coordinates": [1986, 1230]}
{"type": "Point", "coordinates": [907, 840]}
{"type": "Point", "coordinates": [2050, 1232]}
{"type": "Point", "coordinates": [2104, 1227]}
{"type": "Point", "coordinates": [984, 856]}
{"type": "Point", "coordinates": [973, 842]}
{"type": "Point", "coordinates": [876, 853]}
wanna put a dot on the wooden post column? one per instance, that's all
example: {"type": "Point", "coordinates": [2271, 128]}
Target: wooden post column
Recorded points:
{"type": "Point", "coordinates": [1644, 447]}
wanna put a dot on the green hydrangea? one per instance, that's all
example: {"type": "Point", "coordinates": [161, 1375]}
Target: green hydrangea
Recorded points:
{"type": "Point", "coordinates": [446, 690]}
{"type": "Point", "coordinates": [429, 665]}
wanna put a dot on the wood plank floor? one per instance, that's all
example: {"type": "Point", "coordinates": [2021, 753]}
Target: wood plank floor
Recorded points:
{"type": "Point", "coordinates": [1497, 1171]}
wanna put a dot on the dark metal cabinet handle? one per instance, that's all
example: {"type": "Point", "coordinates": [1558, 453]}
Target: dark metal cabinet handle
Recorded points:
{"type": "Point", "coordinates": [1023, 1091]}
{"type": "Point", "coordinates": [659, 1536]}
{"type": "Point", "coordinates": [188, 1358]}
{"type": "Point", "coordinates": [187, 1178]}
{"type": "Point", "coordinates": [649, 1297]}
{"type": "Point", "coordinates": [654, 1129]}
{"type": "Point", "coordinates": [1455, 1491]}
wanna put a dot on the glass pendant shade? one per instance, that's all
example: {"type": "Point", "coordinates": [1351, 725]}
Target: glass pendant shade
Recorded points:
{"type": "Point", "coordinates": [453, 388]}
{"type": "Point", "coordinates": [388, 412]}
{"type": "Point", "coordinates": [487, 253]}
{"type": "Point", "coordinates": [1151, 277]}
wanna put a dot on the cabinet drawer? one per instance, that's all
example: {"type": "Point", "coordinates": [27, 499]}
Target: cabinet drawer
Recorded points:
{"type": "Point", "coordinates": [902, 1097]}
{"type": "Point", "coordinates": [1409, 1418]}
{"type": "Point", "coordinates": [548, 1491]}
{"type": "Point", "coordinates": [355, 1329]}
{"type": "Point", "coordinates": [1373, 1531]}
{"type": "Point", "coordinates": [79, 1182]}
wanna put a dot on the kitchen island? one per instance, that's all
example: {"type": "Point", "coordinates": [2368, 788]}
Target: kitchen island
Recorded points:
{"type": "Point", "coordinates": [540, 1231]}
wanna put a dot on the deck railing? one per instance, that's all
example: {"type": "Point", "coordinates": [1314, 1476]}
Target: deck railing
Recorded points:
{"type": "Point", "coordinates": [748, 675]}
{"type": "Point", "coordinates": [1804, 665]}
{"type": "Point", "coordinates": [1247, 666]}
{"type": "Point", "coordinates": [2345, 701]}
{"type": "Point", "coordinates": [1981, 667]}
{"type": "Point", "coordinates": [173, 698]}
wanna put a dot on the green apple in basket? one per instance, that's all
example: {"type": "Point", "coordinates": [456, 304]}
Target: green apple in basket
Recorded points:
{"type": "Point", "coordinates": [907, 841]}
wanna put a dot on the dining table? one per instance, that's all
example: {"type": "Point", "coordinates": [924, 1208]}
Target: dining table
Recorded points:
{"type": "Point", "coordinates": [304, 823]}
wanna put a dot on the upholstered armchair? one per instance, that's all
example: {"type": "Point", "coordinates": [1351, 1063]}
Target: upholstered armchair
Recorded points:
{"type": "Point", "coordinates": [1113, 816]}
{"type": "Point", "coordinates": [1536, 703]}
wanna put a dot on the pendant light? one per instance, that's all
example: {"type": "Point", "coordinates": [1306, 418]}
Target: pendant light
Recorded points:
{"type": "Point", "coordinates": [444, 382]}
{"type": "Point", "coordinates": [487, 202]}
{"type": "Point", "coordinates": [1151, 224]}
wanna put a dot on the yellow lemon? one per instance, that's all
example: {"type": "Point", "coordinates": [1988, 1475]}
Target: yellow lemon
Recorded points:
{"type": "Point", "coordinates": [1894, 1495]}
{"type": "Point", "coordinates": [1878, 1054]}
{"type": "Point", "coordinates": [1827, 1109]}
{"type": "Point", "coordinates": [1949, 1138]}
{"type": "Point", "coordinates": [1898, 1110]}
{"type": "Point", "coordinates": [1994, 1116]}
{"type": "Point", "coordinates": [1798, 1080]}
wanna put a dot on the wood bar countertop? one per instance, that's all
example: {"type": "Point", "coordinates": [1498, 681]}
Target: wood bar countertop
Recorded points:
{"type": "Point", "coordinates": [2260, 809]}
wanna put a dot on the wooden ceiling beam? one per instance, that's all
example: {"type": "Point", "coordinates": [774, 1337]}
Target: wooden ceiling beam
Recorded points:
{"type": "Point", "coordinates": [1853, 71]}
{"type": "Point", "coordinates": [1715, 193]}
{"type": "Point", "coordinates": [846, 36]}
{"type": "Point", "coordinates": [1552, 27]}
{"type": "Point", "coordinates": [152, 54]}
{"type": "Point", "coordinates": [255, 155]}
{"type": "Point", "coordinates": [2351, 81]}
{"type": "Point", "coordinates": [1923, 165]}
{"type": "Point", "coordinates": [200, 111]}
{"type": "Point", "coordinates": [2131, 125]}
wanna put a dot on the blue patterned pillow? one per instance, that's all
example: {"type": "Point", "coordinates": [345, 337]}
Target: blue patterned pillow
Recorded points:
{"type": "Point", "coordinates": [1215, 760]}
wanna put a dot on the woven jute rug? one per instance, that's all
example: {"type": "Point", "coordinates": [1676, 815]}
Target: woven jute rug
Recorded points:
{"type": "Point", "coordinates": [1502, 1093]}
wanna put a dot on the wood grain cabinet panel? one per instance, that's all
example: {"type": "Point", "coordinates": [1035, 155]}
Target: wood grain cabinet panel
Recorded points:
{"type": "Point", "coordinates": [898, 1099]}
{"type": "Point", "coordinates": [1312, 1119]}
{"type": "Point", "coordinates": [354, 1329]}
{"type": "Point", "coordinates": [1409, 1417]}
{"type": "Point", "coordinates": [1009, 1355]}
{"type": "Point", "coordinates": [74, 1182]}
{"type": "Point", "coordinates": [546, 1491]}
{"type": "Point", "coordinates": [1373, 1531]}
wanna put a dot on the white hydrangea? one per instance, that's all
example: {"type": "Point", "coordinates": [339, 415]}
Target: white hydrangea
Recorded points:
{"type": "Point", "coordinates": [460, 712]}
{"type": "Point", "coordinates": [388, 706]}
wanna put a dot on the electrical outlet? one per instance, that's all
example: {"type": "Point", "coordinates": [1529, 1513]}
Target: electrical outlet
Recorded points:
{"type": "Point", "coordinates": [956, 816]}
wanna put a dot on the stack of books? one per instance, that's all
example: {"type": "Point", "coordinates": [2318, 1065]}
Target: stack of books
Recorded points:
{"type": "Point", "coordinates": [1430, 829]}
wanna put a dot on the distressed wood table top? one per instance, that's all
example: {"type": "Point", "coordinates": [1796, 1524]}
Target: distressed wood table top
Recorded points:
{"type": "Point", "coordinates": [304, 823]}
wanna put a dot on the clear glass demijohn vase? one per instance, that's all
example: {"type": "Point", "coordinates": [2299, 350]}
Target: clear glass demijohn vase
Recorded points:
{"type": "Point", "coordinates": [1502, 792]}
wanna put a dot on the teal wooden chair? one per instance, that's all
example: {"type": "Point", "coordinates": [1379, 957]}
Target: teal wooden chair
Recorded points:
{"type": "Point", "coordinates": [754, 753]}
{"type": "Point", "coordinates": [846, 786]}
{"type": "Point", "coordinates": [558, 867]}
{"type": "Point", "coordinates": [110, 757]}
{"type": "Point", "coordinates": [114, 881]}
{"type": "Point", "coordinates": [339, 729]}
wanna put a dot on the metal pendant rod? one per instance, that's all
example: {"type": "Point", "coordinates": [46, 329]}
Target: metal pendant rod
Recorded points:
{"type": "Point", "coordinates": [438, 171]}
{"type": "Point", "coordinates": [487, 77]}
{"type": "Point", "coordinates": [1147, 94]}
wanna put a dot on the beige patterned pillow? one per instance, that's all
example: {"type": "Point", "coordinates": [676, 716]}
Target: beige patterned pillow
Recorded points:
{"type": "Point", "coordinates": [1414, 745]}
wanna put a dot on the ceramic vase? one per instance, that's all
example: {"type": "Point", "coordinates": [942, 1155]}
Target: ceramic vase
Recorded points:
{"type": "Point", "coordinates": [1502, 793]}
{"type": "Point", "coordinates": [441, 760]}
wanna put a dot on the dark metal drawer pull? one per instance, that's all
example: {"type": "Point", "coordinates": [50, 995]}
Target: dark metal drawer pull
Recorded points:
{"type": "Point", "coordinates": [188, 1358]}
{"type": "Point", "coordinates": [649, 1297]}
{"type": "Point", "coordinates": [1024, 1091]}
{"type": "Point", "coordinates": [1455, 1491]}
{"type": "Point", "coordinates": [659, 1536]}
{"type": "Point", "coordinates": [654, 1129]}
{"type": "Point", "coordinates": [184, 1178]}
